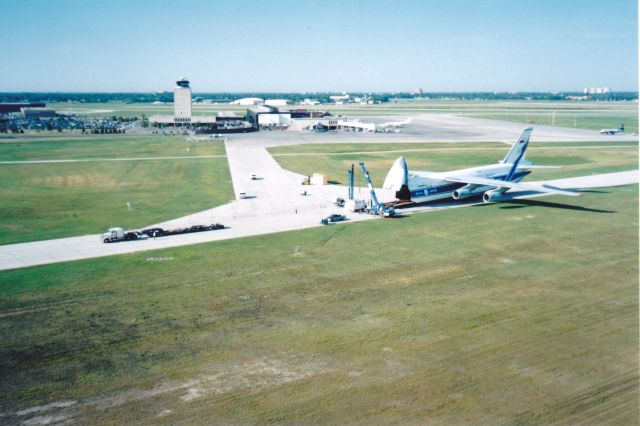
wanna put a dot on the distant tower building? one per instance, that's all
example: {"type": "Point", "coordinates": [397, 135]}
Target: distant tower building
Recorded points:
{"type": "Point", "coordinates": [182, 102]}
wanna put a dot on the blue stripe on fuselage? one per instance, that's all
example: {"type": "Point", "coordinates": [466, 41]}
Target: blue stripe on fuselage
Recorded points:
{"type": "Point", "coordinates": [450, 187]}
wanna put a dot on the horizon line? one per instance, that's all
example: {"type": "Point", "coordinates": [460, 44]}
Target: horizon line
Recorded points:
{"type": "Point", "coordinates": [554, 92]}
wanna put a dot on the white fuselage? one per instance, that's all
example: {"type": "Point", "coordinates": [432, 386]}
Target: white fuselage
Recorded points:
{"type": "Point", "coordinates": [431, 186]}
{"type": "Point", "coordinates": [611, 131]}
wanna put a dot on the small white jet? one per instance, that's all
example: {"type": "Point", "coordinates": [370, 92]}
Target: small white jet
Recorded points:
{"type": "Point", "coordinates": [612, 131]}
{"type": "Point", "coordinates": [491, 181]}
{"type": "Point", "coordinates": [391, 126]}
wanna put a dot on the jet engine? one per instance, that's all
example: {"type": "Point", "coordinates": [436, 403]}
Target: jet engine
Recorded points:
{"type": "Point", "coordinates": [467, 191]}
{"type": "Point", "coordinates": [464, 192]}
{"type": "Point", "coordinates": [493, 196]}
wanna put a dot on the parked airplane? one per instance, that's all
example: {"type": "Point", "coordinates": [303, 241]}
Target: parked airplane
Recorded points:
{"type": "Point", "coordinates": [397, 124]}
{"type": "Point", "coordinates": [391, 126]}
{"type": "Point", "coordinates": [612, 131]}
{"type": "Point", "coordinates": [491, 181]}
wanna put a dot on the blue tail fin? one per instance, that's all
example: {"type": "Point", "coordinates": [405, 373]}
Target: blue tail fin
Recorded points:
{"type": "Point", "coordinates": [519, 148]}
{"type": "Point", "coordinates": [517, 152]}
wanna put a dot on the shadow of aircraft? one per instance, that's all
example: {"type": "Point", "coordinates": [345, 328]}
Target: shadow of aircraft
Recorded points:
{"type": "Point", "coordinates": [521, 203]}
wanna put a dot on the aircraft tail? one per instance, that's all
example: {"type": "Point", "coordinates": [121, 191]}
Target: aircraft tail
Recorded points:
{"type": "Point", "coordinates": [622, 127]}
{"type": "Point", "coordinates": [519, 148]}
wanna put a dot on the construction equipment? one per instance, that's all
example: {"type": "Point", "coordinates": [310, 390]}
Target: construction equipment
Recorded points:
{"type": "Point", "coordinates": [376, 207]}
{"type": "Point", "coordinates": [350, 176]}
{"type": "Point", "coordinates": [355, 205]}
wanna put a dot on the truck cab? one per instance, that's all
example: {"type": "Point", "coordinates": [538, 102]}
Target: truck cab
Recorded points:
{"type": "Point", "coordinates": [113, 234]}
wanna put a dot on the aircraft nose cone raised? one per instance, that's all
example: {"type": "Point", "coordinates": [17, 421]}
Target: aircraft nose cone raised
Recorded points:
{"type": "Point", "coordinates": [397, 175]}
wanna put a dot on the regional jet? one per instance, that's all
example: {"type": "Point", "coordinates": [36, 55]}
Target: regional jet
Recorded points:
{"type": "Point", "coordinates": [391, 126]}
{"type": "Point", "coordinates": [491, 181]}
{"type": "Point", "coordinates": [612, 131]}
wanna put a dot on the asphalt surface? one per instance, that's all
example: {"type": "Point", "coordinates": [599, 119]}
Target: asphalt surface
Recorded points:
{"type": "Point", "coordinates": [275, 202]}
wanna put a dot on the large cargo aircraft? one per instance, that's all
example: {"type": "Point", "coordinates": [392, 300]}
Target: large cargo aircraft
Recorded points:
{"type": "Point", "coordinates": [491, 181]}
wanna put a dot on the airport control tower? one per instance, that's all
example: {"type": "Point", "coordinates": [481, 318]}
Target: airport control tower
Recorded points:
{"type": "Point", "coordinates": [182, 103]}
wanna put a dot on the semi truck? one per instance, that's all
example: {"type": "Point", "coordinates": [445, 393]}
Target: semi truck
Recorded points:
{"type": "Point", "coordinates": [117, 234]}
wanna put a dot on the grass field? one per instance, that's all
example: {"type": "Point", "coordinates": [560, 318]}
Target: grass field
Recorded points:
{"type": "Point", "coordinates": [576, 159]}
{"type": "Point", "coordinates": [63, 147]}
{"type": "Point", "coordinates": [516, 313]}
{"type": "Point", "coordinates": [51, 200]}
{"type": "Point", "coordinates": [584, 120]}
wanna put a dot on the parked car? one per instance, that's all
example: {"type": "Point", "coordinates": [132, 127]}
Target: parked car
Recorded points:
{"type": "Point", "coordinates": [333, 218]}
{"type": "Point", "coordinates": [337, 218]}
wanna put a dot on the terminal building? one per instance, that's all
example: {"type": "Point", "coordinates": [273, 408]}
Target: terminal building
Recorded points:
{"type": "Point", "coordinates": [17, 107]}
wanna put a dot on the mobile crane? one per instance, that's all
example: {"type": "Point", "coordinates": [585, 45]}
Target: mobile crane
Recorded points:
{"type": "Point", "coordinates": [376, 207]}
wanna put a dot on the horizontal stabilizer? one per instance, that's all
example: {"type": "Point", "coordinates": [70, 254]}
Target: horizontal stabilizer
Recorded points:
{"type": "Point", "coordinates": [552, 190]}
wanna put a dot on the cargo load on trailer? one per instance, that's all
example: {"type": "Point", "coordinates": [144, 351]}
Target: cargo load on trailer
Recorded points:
{"type": "Point", "coordinates": [118, 234]}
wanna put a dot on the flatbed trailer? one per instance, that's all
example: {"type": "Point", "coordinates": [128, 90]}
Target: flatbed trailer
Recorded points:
{"type": "Point", "coordinates": [116, 234]}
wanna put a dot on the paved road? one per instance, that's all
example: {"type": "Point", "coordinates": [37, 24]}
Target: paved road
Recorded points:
{"type": "Point", "coordinates": [276, 203]}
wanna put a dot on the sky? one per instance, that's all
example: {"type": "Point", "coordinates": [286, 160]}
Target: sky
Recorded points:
{"type": "Point", "coordinates": [313, 46]}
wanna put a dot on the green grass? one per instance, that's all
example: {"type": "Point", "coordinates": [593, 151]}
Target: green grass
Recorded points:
{"type": "Point", "coordinates": [582, 120]}
{"type": "Point", "coordinates": [516, 313]}
{"type": "Point", "coordinates": [576, 159]}
{"type": "Point", "coordinates": [64, 147]}
{"type": "Point", "coordinates": [52, 200]}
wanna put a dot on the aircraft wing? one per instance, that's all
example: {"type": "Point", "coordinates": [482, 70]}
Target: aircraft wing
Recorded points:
{"type": "Point", "coordinates": [532, 166]}
{"type": "Point", "coordinates": [475, 180]}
